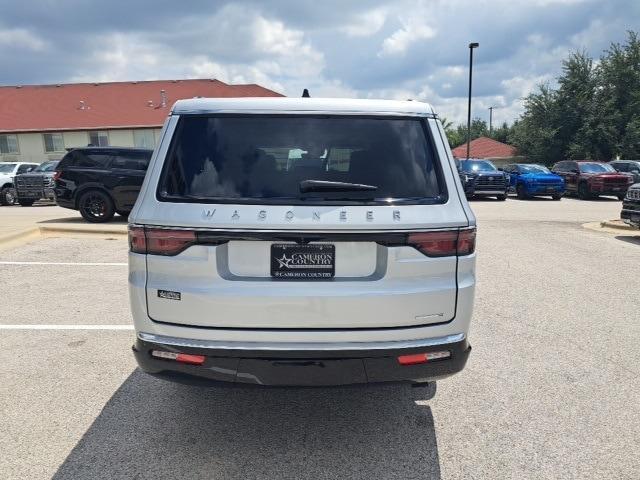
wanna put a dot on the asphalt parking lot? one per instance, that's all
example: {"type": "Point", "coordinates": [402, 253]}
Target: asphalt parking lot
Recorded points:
{"type": "Point", "coordinates": [550, 391]}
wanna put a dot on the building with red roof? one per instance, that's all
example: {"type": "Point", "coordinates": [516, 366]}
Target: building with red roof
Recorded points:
{"type": "Point", "coordinates": [484, 147]}
{"type": "Point", "coordinates": [39, 122]}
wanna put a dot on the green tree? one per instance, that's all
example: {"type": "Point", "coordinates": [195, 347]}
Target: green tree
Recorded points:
{"type": "Point", "coordinates": [593, 113]}
{"type": "Point", "coordinates": [536, 133]}
{"type": "Point", "coordinates": [501, 133]}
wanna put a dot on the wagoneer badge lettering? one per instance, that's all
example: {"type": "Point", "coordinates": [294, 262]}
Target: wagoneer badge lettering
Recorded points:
{"type": "Point", "coordinates": [290, 215]}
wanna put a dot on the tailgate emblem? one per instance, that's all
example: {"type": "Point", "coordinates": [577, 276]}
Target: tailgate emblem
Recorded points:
{"type": "Point", "coordinates": [169, 295]}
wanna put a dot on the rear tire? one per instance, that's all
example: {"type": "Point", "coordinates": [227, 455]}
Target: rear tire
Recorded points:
{"type": "Point", "coordinates": [521, 192]}
{"type": "Point", "coordinates": [96, 206]}
{"type": "Point", "coordinates": [26, 203]}
{"type": "Point", "coordinates": [583, 191]}
{"type": "Point", "coordinates": [7, 196]}
{"type": "Point", "coordinates": [502, 198]}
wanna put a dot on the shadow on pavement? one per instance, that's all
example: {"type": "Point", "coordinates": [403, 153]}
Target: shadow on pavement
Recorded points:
{"type": "Point", "coordinates": [635, 239]}
{"type": "Point", "coordinates": [156, 429]}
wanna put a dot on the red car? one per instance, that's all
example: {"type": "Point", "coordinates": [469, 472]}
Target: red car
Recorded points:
{"type": "Point", "coordinates": [591, 179]}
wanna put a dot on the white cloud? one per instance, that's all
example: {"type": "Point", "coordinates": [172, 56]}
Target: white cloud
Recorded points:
{"type": "Point", "coordinates": [399, 41]}
{"type": "Point", "coordinates": [362, 48]}
{"type": "Point", "coordinates": [366, 24]}
{"type": "Point", "coordinates": [21, 38]}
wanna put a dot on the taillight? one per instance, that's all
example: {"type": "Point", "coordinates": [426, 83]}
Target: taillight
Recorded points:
{"type": "Point", "coordinates": [56, 175]}
{"type": "Point", "coordinates": [418, 358]}
{"type": "Point", "coordinates": [160, 241]}
{"type": "Point", "coordinates": [467, 241]}
{"type": "Point", "coordinates": [444, 243]}
{"type": "Point", "coordinates": [187, 358]}
{"type": "Point", "coordinates": [137, 240]}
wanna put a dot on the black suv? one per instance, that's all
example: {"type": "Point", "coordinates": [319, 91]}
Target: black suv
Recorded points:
{"type": "Point", "coordinates": [101, 181]}
{"type": "Point", "coordinates": [631, 167]}
{"type": "Point", "coordinates": [481, 178]}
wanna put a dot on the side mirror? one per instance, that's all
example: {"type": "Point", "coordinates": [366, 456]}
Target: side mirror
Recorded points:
{"type": "Point", "coordinates": [500, 168]}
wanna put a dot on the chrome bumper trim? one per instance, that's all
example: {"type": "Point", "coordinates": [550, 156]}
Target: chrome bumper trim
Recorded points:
{"type": "Point", "coordinates": [297, 346]}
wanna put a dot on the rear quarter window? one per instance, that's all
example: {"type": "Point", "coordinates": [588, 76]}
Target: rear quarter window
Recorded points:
{"type": "Point", "coordinates": [89, 159]}
{"type": "Point", "coordinates": [131, 160]}
{"type": "Point", "coordinates": [264, 158]}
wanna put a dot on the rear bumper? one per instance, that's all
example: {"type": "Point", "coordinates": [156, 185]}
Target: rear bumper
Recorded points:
{"type": "Point", "coordinates": [301, 364]}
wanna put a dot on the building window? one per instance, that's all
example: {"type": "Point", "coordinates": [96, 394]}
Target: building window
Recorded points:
{"type": "Point", "coordinates": [144, 139]}
{"type": "Point", "coordinates": [53, 142]}
{"type": "Point", "coordinates": [9, 144]}
{"type": "Point", "coordinates": [98, 139]}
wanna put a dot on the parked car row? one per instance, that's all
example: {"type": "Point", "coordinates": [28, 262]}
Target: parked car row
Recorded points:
{"type": "Point", "coordinates": [102, 181]}
{"type": "Point", "coordinates": [585, 179]}
{"type": "Point", "coordinates": [97, 181]}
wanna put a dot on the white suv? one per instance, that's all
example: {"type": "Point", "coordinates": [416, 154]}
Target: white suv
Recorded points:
{"type": "Point", "coordinates": [8, 170]}
{"type": "Point", "coordinates": [302, 241]}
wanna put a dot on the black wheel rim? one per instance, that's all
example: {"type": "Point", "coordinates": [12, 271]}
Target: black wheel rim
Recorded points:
{"type": "Point", "coordinates": [94, 206]}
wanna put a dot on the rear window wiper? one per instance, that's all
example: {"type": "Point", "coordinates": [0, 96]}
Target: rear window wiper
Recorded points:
{"type": "Point", "coordinates": [307, 186]}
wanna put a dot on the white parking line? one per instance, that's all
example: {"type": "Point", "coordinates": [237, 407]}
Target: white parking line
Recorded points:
{"type": "Point", "coordinates": [83, 264]}
{"type": "Point", "coordinates": [65, 327]}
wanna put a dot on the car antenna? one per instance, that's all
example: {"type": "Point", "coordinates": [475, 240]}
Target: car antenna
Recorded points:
{"type": "Point", "coordinates": [305, 93]}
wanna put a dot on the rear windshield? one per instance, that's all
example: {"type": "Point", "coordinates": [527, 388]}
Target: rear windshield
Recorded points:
{"type": "Point", "coordinates": [289, 159]}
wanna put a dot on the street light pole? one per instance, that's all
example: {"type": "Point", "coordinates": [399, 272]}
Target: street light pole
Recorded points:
{"type": "Point", "coordinates": [491, 119]}
{"type": "Point", "coordinates": [471, 47]}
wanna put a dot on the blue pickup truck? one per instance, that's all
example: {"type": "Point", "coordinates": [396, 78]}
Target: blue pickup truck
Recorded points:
{"type": "Point", "coordinates": [529, 180]}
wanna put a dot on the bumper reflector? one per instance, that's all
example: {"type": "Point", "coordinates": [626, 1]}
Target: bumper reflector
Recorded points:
{"type": "Point", "coordinates": [418, 358]}
{"type": "Point", "coordinates": [179, 357]}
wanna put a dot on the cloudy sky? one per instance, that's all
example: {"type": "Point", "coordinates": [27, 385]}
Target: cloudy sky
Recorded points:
{"type": "Point", "coordinates": [380, 49]}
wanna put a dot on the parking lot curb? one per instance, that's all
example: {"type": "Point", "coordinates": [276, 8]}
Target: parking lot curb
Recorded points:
{"type": "Point", "coordinates": [617, 224]}
{"type": "Point", "coordinates": [83, 230]}
{"type": "Point", "coordinates": [17, 238]}
{"type": "Point", "coordinates": [603, 226]}
{"type": "Point", "coordinates": [34, 233]}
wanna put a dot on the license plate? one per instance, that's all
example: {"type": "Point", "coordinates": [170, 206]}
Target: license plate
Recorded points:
{"type": "Point", "coordinates": [303, 262]}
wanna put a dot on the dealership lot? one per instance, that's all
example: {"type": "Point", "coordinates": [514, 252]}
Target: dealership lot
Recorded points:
{"type": "Point", "coordinates": [550, 390]}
